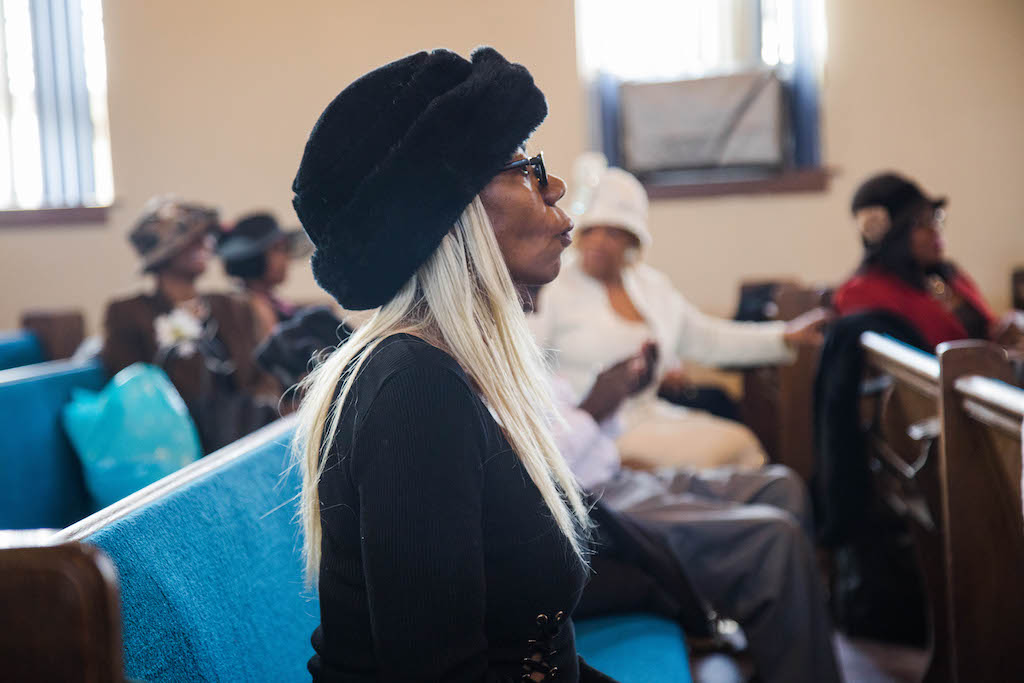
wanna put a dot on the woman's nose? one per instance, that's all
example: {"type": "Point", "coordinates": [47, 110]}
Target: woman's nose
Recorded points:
{"type": "Point", "coordinates": [554, 191]}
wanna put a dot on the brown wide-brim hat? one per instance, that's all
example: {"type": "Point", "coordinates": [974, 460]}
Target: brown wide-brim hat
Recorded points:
{"type": "Point", "coordinates": [167, 226]}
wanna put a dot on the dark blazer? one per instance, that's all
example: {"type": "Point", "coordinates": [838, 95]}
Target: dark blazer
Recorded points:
{"type": "Point", "coordinates": [227, 393]}
{"type": "Point", "coordinates": [841, 484]}
{"type": "Point", "coordinates": [130, 337]}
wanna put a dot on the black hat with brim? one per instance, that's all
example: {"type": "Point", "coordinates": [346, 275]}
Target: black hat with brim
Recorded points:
{"type": "Point", "coordinates": [396, 158]}
{"type": "Point", "coordinates": [897, 194]}
{"type": "Point", "coordinates": [255, 233]}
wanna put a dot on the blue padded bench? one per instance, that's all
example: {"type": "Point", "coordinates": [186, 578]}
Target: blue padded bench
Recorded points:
{"type": "Point", "coordinates": [637, 648]}
{"type": "Point", "coordinates": [19, 347]}
{"type": "Point", "coordinates": [211, 577]}
{"type": "Point", "coordinates": [41, 484]}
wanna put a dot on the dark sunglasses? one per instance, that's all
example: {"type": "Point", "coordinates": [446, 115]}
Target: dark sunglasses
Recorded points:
{"type": "Point", "coordinates": [536, 162]}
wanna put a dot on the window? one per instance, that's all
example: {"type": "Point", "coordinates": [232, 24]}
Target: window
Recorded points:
{"type": "Point", "coordinates": [636, 56]}
{"type": "Point", "coordinates": [54, 134]}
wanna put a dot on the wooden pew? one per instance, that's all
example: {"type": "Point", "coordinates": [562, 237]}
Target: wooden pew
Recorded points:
{"type": "Point", "coordinates": [981, 474]}
{"type": "Point", "coordinates": [61, 618]}
{"type": "Point", "coordinates": [59, 332]}
{"type": "Point", "coordinates": [900, 408]}
{"type": "Point", "coordinates": [211, 583]}
{"type": "Point", "coordinates": [43, 336]}
{"type": "Point", "coordinates": [945, 447]}
{"type": "Point", "coordinates": [41, 480]}
{"type": "Point", "coordinates": [778, 400]}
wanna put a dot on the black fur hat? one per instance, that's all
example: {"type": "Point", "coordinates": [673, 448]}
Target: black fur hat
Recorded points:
{"type": "Point", "coordinates": [395, 159]}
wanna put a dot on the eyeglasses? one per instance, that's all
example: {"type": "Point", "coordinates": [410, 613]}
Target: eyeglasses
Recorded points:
{"type": "Point", "coordinates": [536, 162]}
{"type": "Point", "coordinates": [935, 220]}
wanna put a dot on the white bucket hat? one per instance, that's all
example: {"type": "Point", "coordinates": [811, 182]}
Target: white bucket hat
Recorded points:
{"type": "Point", "coordinates": [620, 201]}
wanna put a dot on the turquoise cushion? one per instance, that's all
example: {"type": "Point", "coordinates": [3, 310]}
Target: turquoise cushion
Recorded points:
{"type": "Point", "coordinates": [211, 575]}
{"type": "Point", "coordinates": [634, 648]}
{"type": "Point", "coordinates": [212, 588]}
{"type": "Point", "coordinates": [19, 348]}
{"type": "Point", "coordinates": [41, 483]}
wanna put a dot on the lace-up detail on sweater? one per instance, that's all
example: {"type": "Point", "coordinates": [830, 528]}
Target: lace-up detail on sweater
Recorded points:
{"type": "Point", "coordinates": [541, 649]}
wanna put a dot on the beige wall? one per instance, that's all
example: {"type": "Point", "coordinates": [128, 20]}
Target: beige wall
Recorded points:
{"type": "Point", "coordinates": [934, 88]}
{"type": "Point", "coordinates": [213, 100]}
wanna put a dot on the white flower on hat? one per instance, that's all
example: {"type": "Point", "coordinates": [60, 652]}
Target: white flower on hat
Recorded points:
{"type": "Point", "coordinates": [873, 222]}
{"type": "Point", "coordinates": [178, 329]}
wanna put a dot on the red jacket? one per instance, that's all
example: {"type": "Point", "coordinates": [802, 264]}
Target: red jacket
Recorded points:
{"type": "Point", "coordinates": [874, 290]}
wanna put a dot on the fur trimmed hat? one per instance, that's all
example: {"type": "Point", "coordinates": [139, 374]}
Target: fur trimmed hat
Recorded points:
{"type": "Point", "coordinates": [396, 158]}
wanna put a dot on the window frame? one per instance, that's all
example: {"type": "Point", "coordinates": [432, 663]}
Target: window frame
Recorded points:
{"type": "Point", "coordinates": [65, 108]}
{"type": "Point", "coordinates": [803, 171]}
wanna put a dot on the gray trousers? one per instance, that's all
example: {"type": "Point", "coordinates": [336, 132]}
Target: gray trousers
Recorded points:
{"type": "Point", "coordinates": [743, 538]}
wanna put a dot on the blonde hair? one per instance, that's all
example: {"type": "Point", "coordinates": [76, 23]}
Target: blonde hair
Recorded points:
{"type": "Point", "coordinates": [463, 301]}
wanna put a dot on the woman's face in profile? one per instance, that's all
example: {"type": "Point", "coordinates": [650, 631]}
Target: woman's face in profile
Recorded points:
{"type": "Point", "coordinates": [193, 258]}
{"type": "Point", "coordinates": [603, 250]}
{"type": "Point", "coordinates": [277, 263]}
{"type": "Point", "coordinates": [532, 232]}
{"type": "Point", "coordinates": [926, 243]}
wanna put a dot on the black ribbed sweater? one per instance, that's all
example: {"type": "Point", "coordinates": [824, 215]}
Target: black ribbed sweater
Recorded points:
{"type": "Point", "coordinates": [438, 553]}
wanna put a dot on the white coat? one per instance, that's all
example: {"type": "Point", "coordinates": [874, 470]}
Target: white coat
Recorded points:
{"type": "Point", "coordinates": [576, 324]}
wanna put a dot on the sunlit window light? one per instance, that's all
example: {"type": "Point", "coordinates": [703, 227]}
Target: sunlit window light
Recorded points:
{"type": "Point", "coordinates": [26, 131]}
{"type": "Point", "coordinates": [648, 40]}
{"type": "Point", "coordinates": [777, 32]}
{"type": "Point", "coordinates": [6, 173]}
{"type": "Point", "coordinates": [26, 159]}
{"type": "Point", "coordinates": [652, 40]}
{"type": "Point", "coordinates": [96, 82]}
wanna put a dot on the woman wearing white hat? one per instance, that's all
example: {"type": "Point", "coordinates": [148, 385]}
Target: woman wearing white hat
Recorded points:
{"type": "Point", "coordinates": [607, 305]}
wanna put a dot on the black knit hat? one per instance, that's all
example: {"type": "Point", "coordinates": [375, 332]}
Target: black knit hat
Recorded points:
{"type": "Point", "coordinates": [396, 158]}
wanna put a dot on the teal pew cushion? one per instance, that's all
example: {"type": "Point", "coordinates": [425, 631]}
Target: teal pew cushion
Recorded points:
{"type": "Point", "coordinates": [19, 347]}
{"type": "Point", "coordinates": [634, 648]}
{"type": "Point", "coordinates": [212, 588]}
{"type": "Point", "coordinates": [211, 575]}
{"type": "Point", "coordinates": [41, 484]}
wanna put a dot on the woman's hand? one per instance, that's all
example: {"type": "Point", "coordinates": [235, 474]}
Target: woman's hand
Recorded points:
{"type": "Point", "coordinates": [1009, 330]}
{"type": "Point", "coordinates": [806, 329]}
{"type": "Point", "coordinates": [617, 383]}
{"type": "Point", "coordinates": [674, 381]}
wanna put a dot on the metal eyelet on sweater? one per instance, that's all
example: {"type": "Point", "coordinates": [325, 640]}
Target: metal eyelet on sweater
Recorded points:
{"type": "Point", "coordinates": [540, 648]}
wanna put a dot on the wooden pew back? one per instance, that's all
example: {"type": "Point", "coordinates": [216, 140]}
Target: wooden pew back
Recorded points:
{"type": "Point", "coordinates": [60, 619]}
{"type": "Point", "coordinates": [60, 332]}
{"type": "Point", "coordinates": [981, 472]}
{"type": "Point", "coordinates": [945, 441]}
{"type": "Point", "coordinates": [901, 406]}
{"type": "Point", "coordinates": [778, 400]}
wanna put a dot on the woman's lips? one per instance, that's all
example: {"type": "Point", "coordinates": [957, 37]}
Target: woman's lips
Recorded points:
{"type": "Point", "coordinates": [565, 237]}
